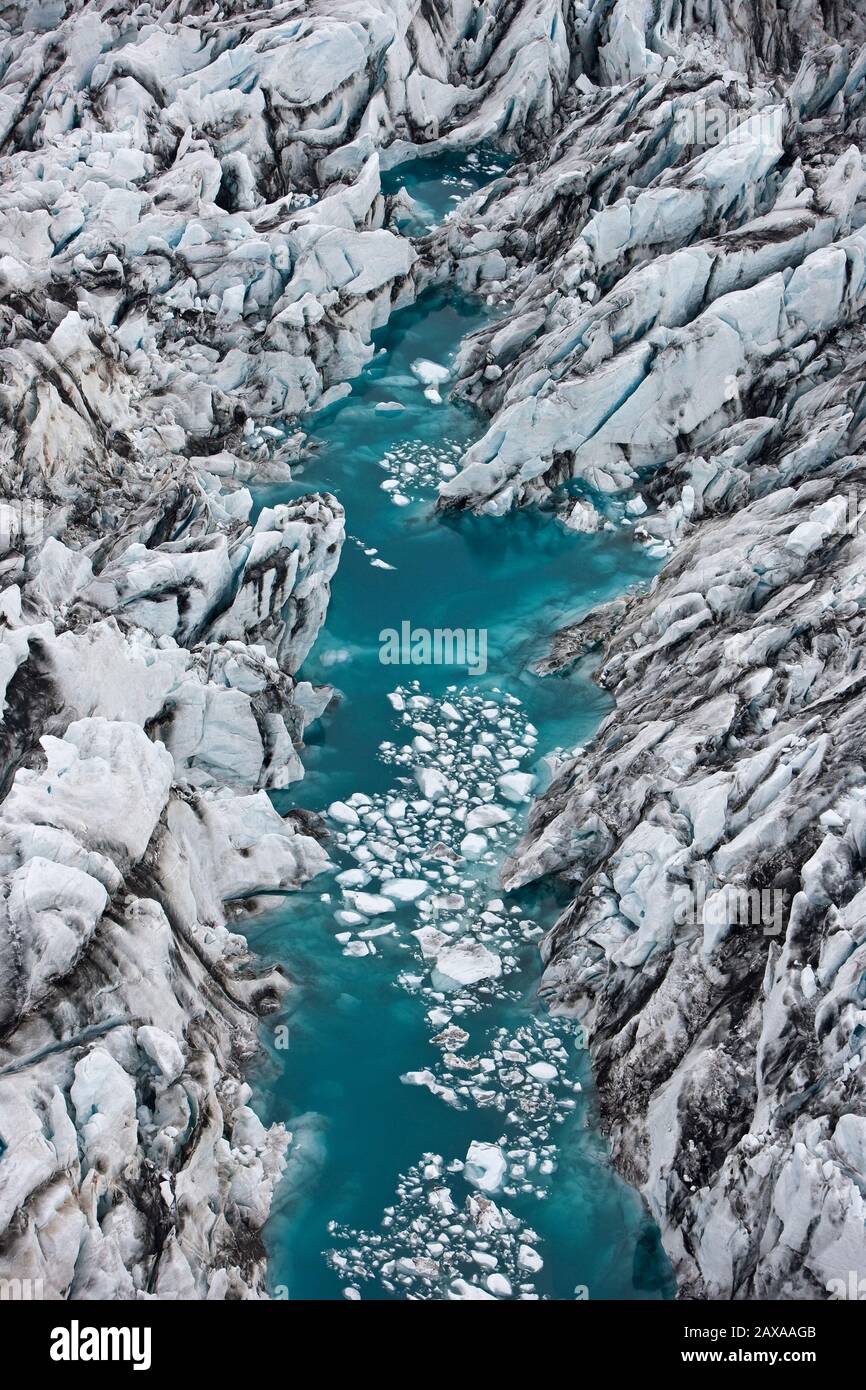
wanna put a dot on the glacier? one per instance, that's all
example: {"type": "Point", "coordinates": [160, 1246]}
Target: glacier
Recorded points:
{"type": "Point", "coordinates": [195, 253]}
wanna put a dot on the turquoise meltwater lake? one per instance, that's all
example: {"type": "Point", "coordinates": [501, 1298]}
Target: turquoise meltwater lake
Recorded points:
{"type": "Point", "coordinates": [444, 1132]}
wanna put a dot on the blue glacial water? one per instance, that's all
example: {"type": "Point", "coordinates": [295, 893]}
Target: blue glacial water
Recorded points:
{"type": "Point", "coordinates": [437, 183]}
{"type": "Point", "coordinates": [357, 1023]}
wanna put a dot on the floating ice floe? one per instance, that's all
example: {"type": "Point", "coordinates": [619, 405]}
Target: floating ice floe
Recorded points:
{"type": "Point", "coordinates": [433, 1245]}
{"type": "Point", "coordinates": [465, 963]}
{"type": "Point", "coordinates": [432, 376]}
{"type": "Point", "coordinates": [486, 1166]}
{"type": "Point", "coordinates": [413, 863]}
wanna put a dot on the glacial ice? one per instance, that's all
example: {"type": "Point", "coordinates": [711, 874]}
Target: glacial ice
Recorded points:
{"type": "Point", "coordinates": [194, 253]}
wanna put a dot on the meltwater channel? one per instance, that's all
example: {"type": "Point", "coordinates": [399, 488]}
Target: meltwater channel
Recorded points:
{"type": "Point", "coordinates": [444, 1134]}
